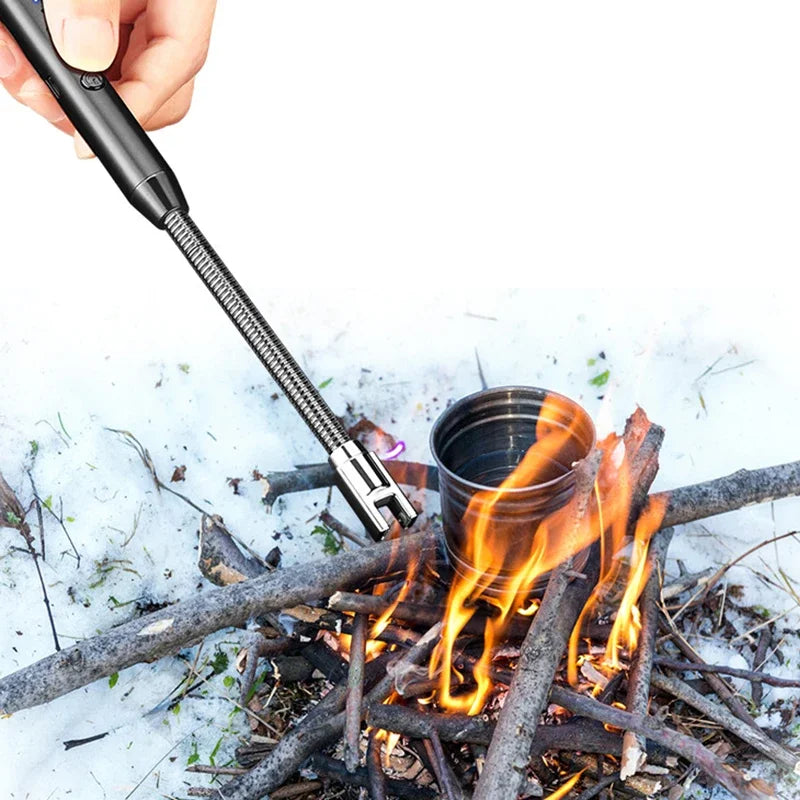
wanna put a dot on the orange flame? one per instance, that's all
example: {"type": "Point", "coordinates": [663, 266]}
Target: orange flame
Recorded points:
{"type": "Point", "coordinates": [486, 550]}
{"type": "Point", "coordinates": [614, 492]}
{"type": "Point", "coordinates": [489, 552]}
{"type": "Point", "coordinates": [373, 646]}
{"type": "Point", "coordinates": [627, 623]}
{"type": "Point", "coordinates": [565, 787]}
{"type": "Point", "coordinates": [487, 545]}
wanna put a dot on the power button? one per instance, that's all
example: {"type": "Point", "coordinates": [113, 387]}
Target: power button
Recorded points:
{"type": "Point", "coordinates": [92, 81]}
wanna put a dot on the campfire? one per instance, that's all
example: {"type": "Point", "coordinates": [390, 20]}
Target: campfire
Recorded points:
{"type": "Point", "coordinates": [527, 642]}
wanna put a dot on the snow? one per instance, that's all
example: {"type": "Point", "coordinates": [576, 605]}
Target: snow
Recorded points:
{"type": "Point", "coordinates": [105, 488]}
{"type": "Point", "coordinates": [429, 211]}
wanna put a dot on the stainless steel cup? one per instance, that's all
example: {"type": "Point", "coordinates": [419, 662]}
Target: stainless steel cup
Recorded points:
{"type": "Point", "coordinates": [478, 442]}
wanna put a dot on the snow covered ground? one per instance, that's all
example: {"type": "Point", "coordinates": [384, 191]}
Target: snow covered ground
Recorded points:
{"type": "Point", "coordinates": [428, 160]}
{"type": "Point", "coordinates": [205, 403]}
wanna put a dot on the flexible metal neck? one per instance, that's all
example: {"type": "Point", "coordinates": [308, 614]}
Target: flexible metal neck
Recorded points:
{"type": "Point", "coordinates": [256, 331]}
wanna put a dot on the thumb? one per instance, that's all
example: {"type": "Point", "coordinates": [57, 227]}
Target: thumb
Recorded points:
{"type": "Point", "coordinates": [85, 32]}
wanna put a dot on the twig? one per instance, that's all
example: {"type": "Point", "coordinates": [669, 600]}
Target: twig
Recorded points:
{"type": "Point", "coordinates": [12, 515]}
{"type": "Point", "coordinates": [740, 489]}
{"type": "Point", "coordinates": [332, 769]}
{"type": "Point", "coordinates": [184, 623]}
{"type": "Point", "coordinates": [481, 376]}
{"type": "Point", "coordinates": [754, 676]}
{"type": "Point", "coordinates": [220, 560]}
{"type": "Point", "coordinates": [321, 476]}
{"type": "Point", "coordinates": [700, 594]}
{"type": "Point", "coordinates": [377, 778]}
{"type": "Point", "coordinates": [335, 525]}
{"type": "Point", "coordinates": [724, 692]}
{"type": "Point", "coordinates": [39, 517]}
{"type": "Point", "coordinates": [297, 745]}
{"type": "Point", "coordinates": [634, 753]}
{"type": "Point", "coordinates": [355, 693]}
{"type": "Point", "coordinates": [684, 583]}
{"type": "Point", "coordinates": [210, 769]}
{"type": "Point", "coordinates": [448, 784]}
{"type": "Point", "coordinates": [754, 737]}
{"type": "Point", "coordinates": [584, 735]}
{"type": "Point", "coordinates": [684, 504]}
{"type": "Point", "coordinates": [422, 615]}
{"type": "Point", "coordinates": [507, 759]}
{"type": "Point", "coordinates": [258, 646]}
{"type": "Point", "coordinates": [147, 460]}
{"type": "Point", "coordinates": [686, 746]}
{"type": "Point", "coordinates": [759, 659]}
{"type": "Point", "coordinates": [595, 790]}
{"type": "Point", "coordinates": [284, 793]}
{"type": "Point", "coordinates": [59, 518]}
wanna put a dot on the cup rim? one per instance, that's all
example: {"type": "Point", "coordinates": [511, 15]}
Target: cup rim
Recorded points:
{"type": "Point", "coordinates": [470, 398]}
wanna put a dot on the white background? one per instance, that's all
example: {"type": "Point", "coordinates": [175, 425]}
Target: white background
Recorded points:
{"type": "Point", "coordinates": [429, 156]}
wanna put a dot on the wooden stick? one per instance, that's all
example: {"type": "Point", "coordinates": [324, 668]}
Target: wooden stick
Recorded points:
{"type": "Point", "coordinates": [724, 692]}
{"type": "Point", "coordinates": [284, 793]}
{"type": "Point", "coordinates": [169, 630]}
{"type": "Point", "coordinates": [221, 561]}
{"type": "Point", "coordinates": [258, 646]}
{"type": "Point", "coordinates": [298, 744]}
{"type": "Point", "coordinates": [581, 735]}
{"type": "Point", "coordinates": [330, 768]}
{"type": "Point", "coordinates": [12, 515]}
{"type": "Point", "coordinates": [506, 762]}
{"type": "Point", "coordinates": [754, 737]}
{"type": "Point", "coordinates": [445, 777]}
{"type": "Point", "coordinates": [735, 491]}
{"type": "Point", "coordinates": [685, 504]}
{"type": "Point", "coordinates": [684, 583]}
{"type": "Point", "coordinates": [377, 778]}
{"type": "Point", "coordinates": [426, 615]}
{"type": "Point", "coordinates": [686, 746]}
{"type": "Point", "coordinates": [759, 659]}
{"type": "Point", "coordinates": [750, 675]}
{"type": "Point", "coordinates": [326, 518]}
{"type": "Point", "coordinates": [355, 693]}
{"type": "Point", "coordinates": [211, 769]}
{"type": "Point", "coordinates": [595, 790]}
{"type": "Point", "coordinates": [507, 759]}
{"type": "Point", "coordinates": [321, 476]}
{"type": "Point", "coordinates": [634, 753]}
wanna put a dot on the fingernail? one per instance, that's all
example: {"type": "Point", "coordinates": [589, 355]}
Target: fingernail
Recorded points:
{"type": "Point", "coordinates": [88, 42]}
{"type": "Point", "coordinates": [82, 150]}
{"type": "Point", "coordinates": [38, 99]}
{"type": "Point", "coordinates": [8, 64]}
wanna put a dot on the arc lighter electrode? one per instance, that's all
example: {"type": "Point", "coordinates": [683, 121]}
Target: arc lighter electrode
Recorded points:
{"type": "Point", "coordinates": [126, 151]}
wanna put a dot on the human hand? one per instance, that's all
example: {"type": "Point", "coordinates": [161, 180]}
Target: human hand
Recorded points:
{"type": "Point", "coordinates": [150, 49]}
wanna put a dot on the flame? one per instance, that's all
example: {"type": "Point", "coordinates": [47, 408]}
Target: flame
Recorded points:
{"type": "Point", "coordinates": [565, 787]}
{"type": "Point", "coordinates": [486, 549]}
{"type": "Point", "coordinates": [530, 610]}
{"type": "Point", "coordinates": [628, 620]}
{"type": "Point", "coordinates": [373, 646]}
{"type": "Point", "coordinates": [487, 544]}
{"type": "Point", "coordinates": [614, 494]}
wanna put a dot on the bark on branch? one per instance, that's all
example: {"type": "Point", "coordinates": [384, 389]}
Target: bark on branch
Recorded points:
{"type": "Point", "coordinates": [686, 746]}
{"type": "Point", "coordinates": [509, 752]}
{"type": "Point", "coordinates": [685, 504]}
{"type": "Point", "coordinates": [169, 630]}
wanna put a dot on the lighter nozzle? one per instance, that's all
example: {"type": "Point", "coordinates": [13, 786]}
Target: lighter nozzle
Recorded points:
{"type": "Point", "coordinates": [368, 488]}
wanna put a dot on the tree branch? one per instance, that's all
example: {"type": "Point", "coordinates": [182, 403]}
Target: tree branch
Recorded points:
{"type": "Point", "coordinates": [175, 627]}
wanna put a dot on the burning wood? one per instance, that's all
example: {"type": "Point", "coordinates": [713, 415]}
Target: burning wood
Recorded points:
{"type": "Point", "coordinates": [493, 688]}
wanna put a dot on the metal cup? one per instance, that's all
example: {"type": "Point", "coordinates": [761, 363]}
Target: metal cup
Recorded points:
{"type": "Point", "coordinates": [477, 443]}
